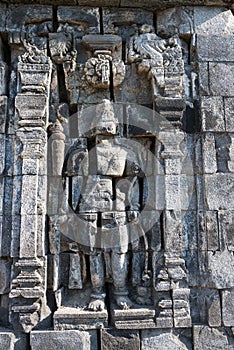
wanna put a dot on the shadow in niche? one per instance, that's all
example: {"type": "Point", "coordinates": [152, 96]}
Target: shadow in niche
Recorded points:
{"type": "Point", "coordinates": [4, 315]}
{"type": "Point", "coordinates": [191, 122]}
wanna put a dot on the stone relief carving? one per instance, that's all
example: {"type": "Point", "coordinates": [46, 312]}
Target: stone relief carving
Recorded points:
{"type": "Point", "coordinates": [161, 59]}
{"type": "Point", "coordinates": [28, 286]}
{"type": "Point", "coordinates": [62, 46]}
{"type": "Point", "coordinates": [96, 200]}
{"type": "Point", "coordinates": [56, 63]}
{"type": "Point", "coordinates": [99, 68]}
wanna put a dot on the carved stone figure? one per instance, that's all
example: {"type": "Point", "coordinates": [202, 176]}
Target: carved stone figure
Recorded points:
{"type": "Point", "coordinates": [97, 201]}
{"type": "Point", "coordinates": [161, 59]}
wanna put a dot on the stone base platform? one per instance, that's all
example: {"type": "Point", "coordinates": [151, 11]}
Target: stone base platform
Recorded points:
{"type": "Point", "coordinates": [74, 318]}
{"type": "Point", "coordinates": [134, 318]}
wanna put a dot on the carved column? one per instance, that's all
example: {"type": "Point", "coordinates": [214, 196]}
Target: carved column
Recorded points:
{"type": "Point", "coordinates": [173, 277]}
{"type": "Point", "coordinates": [29, 271]}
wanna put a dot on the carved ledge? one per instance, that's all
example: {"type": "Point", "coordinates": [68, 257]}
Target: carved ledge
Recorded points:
{"type": "Point", "coordinates": [74, 318]}
{"type": "Point", "coordinates": [100, 42]}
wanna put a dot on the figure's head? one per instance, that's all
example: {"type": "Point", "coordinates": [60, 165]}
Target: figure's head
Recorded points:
{"type": "Point", "coordinates": [146, 28]}
{"type": "Point", "coordinates": [105, 122]}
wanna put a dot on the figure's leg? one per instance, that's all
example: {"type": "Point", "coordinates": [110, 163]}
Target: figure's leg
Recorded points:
{"type": "Point", "coordinates": [98, 280]}
{"type": "Point", "coordinates": [119, 263]}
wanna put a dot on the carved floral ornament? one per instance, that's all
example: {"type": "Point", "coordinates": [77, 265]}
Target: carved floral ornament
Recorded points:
{"type": "Point", "coordinates": [98, 70]}
{"type": "Point", "coordinates": [104, 63]}
{"type": "Point", "coordinates": [160, 58]}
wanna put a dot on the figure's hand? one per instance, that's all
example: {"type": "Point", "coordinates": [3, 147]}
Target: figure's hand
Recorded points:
{"type": "Point", "coordinates": [132, 215]}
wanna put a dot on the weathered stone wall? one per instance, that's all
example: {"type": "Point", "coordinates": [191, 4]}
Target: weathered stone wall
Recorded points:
{"type": "Point", "coordinates": [67, 152]}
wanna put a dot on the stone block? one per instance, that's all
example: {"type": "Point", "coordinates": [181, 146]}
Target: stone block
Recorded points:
{"type": "Point", "coordinates": [121, 22]}
{"type": "Point", "coordinates": [172, 192]}
{"type": "Point", "coordinates": [218, 48]}
{"type": "Point", "coordinates": [3, 113]}
{"type": "Point", "coordinates": [229, 158]}
{"type": "Point", "coordinates": [228, 307]}
{"type": "Point", "coordinates": [75, 273]}
{"type": "Point", "coordinates": [154, 192]}
{"type": "Point", "coordinates": [29, 195]}
{"type": "Point", "coordinates": [15, 235]}
{"type": "Point", "coordinates": [212, 114]}
{"type": "Point", "coordinates": [224, 152]}
{"type": "Point", "coordinates": [18, 16]}
{"type": "Point", "coordinates": [198, 162]}
{"type": "Point", "coordinates": [41, 227]}
{"type": "Point", "coordinates": [120, 339]}
{"type": "Point", "coordinates": [7, 340]}
{"type": "Point", "coordinates": [187, 192]}
{"type": "Point", "coordinates": [87, 19]}
{"type": "Point", "coordinates": [62, 340]}
{"type": "Point", "coordinates": [3, 14]}
{"type": "Point", "coordinates": [5, 234]}
{"type": "Point", "coordinates": [206, 306]}
{"type": "Point", "coordinates": [172, 230]}
{"type": "Point", "coordinates": [66, 318]}
{"type": "Point", "coordinates": [99, 3]}
{"type": "Point", "coordinates": [219, 191]}
{"type": "Point", "coordinates": [16, 195]}
{"type": "Point", "coordinates": [2, 154]}
{"type": "Point", "coordinates": [209, 154]}
{"type": "Point", "coordinates": [214, 309]}
{"type": "Point", "coordinates": [226, 225]}
{"type": "Point", "coordinates": [177, 20]}
{"type": "Point", "coordinates": [1, 194]}
{"type": "Point", "coordinates": [7, 198]}
{"type": "Point", "coordinates": [150, 221]}
{"type": "Point", "coordinates": [134, 318]}
{"type": "Point", "coordinates": [208, 338]}
{"type": "Point", "coordinates": [181, 308]}
{"type": "Point", "coordinates": [221, 79]}
{"type": "Point", "coordinates": [188, 20]}
{"type": "Point", "coordinates": [136, 88]}
{"type": "Point", "coordinates": [202, 237]}
{"type": "Point", "coordinates": [28, 236]}
{"type": "Point", "coordinates": [203, 78]}
{"type": "Point", "coordinates": [189, 227]}
{"type": "Point", "coordinates": [164, 341]}
{"type": "Point", "coordinates": [213, 20]}
{"type": "Point", "coordinates": [212, 230]}
{"type": "Point", "coordinates": [5, 271]}
{"type": "Point", "coordinates": [229, 113]}
{"type": "Point", "coordinates": [13, 161]}
{"type": "Point", "coordinates": [221, 270]}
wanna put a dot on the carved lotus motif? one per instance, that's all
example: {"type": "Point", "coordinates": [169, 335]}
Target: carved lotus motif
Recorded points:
{"type": "Point", "coordinates": [98, 71]}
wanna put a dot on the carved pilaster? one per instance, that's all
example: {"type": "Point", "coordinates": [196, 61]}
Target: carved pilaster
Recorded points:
{"type": "Point", "coordinates": [172, 276]}
{"type": "Point", "coordinates": [28, 285]}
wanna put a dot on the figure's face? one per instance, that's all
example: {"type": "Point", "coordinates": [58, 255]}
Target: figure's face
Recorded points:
{"type": "Point", "coordinates": [105, 123]}
{"type": "Point", "coordinates": [106, 128]}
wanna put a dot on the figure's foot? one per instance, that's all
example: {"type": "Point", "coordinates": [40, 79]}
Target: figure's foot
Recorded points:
{"type": "Point", "coordinates": [123, 302]}
{"type": "Point", "coordinates": [97, 302]}
{"type": "Point", "coordinates": [96, 305]}
{"type": "Point", "coordinates": [143, 301]}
